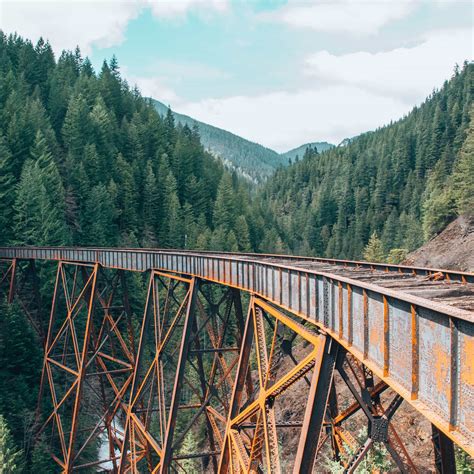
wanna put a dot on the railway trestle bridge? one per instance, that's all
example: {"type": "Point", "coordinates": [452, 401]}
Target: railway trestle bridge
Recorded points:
{"type": "Point", "coordinates": [242, 362]}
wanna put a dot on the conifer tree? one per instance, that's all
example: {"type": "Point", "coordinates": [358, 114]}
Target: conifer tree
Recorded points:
{"type": "Point", "coordinates": [103, 134]}
{"type": "Point", "coordinates": [150, 206]}
{"type": "Point", "coordinates": [20, 366]}
{"type": "Point", "coordinates": [10, 456]}
{"type": "Point", "coordinates": [231, 244]}
{"type": "Point", "coordinates": [39, 215]}
{"type": "Point", "coordinates": [100, 215]}
{"type": "Point", "coordinates": [77, 126]}
{"type": "Point", "coordinates": [128, 196]}
{"type": "Point", "coordinates": [172, 225]}
{"type": "Point", "coordinates": [224, 207]}
{"type": "Point", "coordinates": [7, 192]}
{"type": "Point", "coordinates": [373, 251]}
{"type": "Point", "coordinates": [242, 234]}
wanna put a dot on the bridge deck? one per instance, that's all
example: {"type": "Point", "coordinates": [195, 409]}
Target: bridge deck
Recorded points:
{"type": "Point", "coordinates": [436, 285]}
{"type": "Point", "coordinates": [413, 327]}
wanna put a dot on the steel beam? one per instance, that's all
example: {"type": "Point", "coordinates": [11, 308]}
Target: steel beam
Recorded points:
{"type": "Point", "coordinates": [318, 399]}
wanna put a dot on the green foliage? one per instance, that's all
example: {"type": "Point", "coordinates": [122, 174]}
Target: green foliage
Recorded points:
{"type": "Point", "coordinates": [10, 457]}
{"type": "Point", "coordinates": [396, 256]}
{"type": "Point", "coordinates": [20, 365]}
{"type": "Point", "coordinates": [296, 153]}
{"type": "Point", "coordinates": [190, 446]}
{"type": "Point", "coordinates": [373, 251]}
{"type": "Point", "coordinates": [377, 458]}
{"type": "Point", "coordinates": [7, 192]}
{"type": "Point", "coordinates": [41, 460]}
{"type": "Point", "coordinates": [464, 462]}
{"type": "Point", "coordinates": [225, 205]}
{"type": "Point", "coordinates": [87, 161]}
{"type": "Point", "coordinates": [249, 159]}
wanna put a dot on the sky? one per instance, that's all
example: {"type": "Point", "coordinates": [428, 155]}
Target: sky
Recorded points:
{"type": "Point", "coordinates": [278, 72]}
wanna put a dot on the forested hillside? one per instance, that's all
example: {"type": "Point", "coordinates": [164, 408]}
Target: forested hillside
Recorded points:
{"type": "Point", "coordinates": [84, 160]}
{"type": "Point", "coordinates": [301, 150]}
{"type": "Point", "coordinates": [248, 159]}
{"type": "Point", "coordinates": [404, 182]}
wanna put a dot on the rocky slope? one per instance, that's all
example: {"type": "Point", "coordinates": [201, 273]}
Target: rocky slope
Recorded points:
{"type": "Point", "coordinates": [452, 249]}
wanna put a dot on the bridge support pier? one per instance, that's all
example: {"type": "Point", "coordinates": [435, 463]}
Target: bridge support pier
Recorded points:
{"type": "Point", "coordinates": [182, 376]}
{"type": "Point", "coordinates": [253, 432]}
{"type": "Point", "coordinates": [88, 358]}
{"type": "Point", "coordinates": [445, 460]}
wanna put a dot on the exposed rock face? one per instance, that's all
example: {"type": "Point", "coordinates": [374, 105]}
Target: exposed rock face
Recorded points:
{"type": "Point", "coordinates": [452, 249]}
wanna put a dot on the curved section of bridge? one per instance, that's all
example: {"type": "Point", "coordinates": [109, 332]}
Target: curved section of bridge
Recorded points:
{"type": "Point", "coordinates": [411, 328]}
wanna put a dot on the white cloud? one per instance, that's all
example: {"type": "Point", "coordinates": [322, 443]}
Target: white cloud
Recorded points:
{"type": "Point", "coordinates": [408, 74]}
{"type": "Point", "coordinates": [162, 84]}
{"type": "Point", "coordinates": [283, 120]}
{"type": "Point", "coordinates": [156, 88]}
{"type": "Point", "coordinates": [88, 23]}
{"type": "Point", "coordinates": [347, 16]}
{"type": "Point", "coordinates": [68, 24]}
{"type": "Point", "coordinates": [352, 93]}
{"type": "Point", "coordinates": [173, 8]}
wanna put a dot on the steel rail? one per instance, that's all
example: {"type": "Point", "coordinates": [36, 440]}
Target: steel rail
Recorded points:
{"type": "Point", "coordinates": [420, 348]}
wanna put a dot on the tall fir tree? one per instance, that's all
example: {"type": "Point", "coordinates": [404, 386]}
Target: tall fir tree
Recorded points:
{"type": "Point", "coordinates": [11, 458]}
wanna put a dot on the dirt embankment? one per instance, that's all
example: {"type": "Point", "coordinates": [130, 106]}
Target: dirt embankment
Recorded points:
{"type": "Point", "coordinates": [452, 249]}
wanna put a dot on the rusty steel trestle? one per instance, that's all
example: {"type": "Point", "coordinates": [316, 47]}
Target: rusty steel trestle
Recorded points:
{"type": "Point", "coordinates": [149, 392]}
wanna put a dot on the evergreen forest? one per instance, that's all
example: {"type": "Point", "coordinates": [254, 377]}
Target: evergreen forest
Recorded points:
{"type": "Point", "coordinates": [402, 183]}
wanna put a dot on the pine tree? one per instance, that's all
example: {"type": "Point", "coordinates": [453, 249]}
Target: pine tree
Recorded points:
{"type": "Point", "coordinates": [242, 234]}
{"type": "Point", "coordinates": [10, 457]}
{"type": "Point", "coordinates": [224, 207]}
{"type": "Point", "coordinates": [31, 201]}
{"type": "Point", "coordinates": [128, 196]}
{"type": "Point", "coordinates": [373, 251]}
{"type": "Point", "coordinates": [41, 460]}
{"type": "Point", "coordinates": [53, 204]}
{"type": "Point", "coordinates": [7, 192]}
{"type": "Point", "coordinates": [100, 214]}
{"type": "Point", "coordinates": [389, 234]}
{"type": "Point", "coordinates": [150, 206]}
{"type": "Point", "coordinates": [172, 225]}
{"type": "Point", "coordinates": [190, 229]}
{"type": "Point", "coordinates": [103, 132]}
{"type": "Point", "coordinates": [231, 244]}
{"type": "Point", "coordinates": [20, 366]}
{"type": "Point", "coordinates": [77, 126]}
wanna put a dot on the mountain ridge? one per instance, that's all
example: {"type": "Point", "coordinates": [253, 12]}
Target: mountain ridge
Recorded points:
{"type": "Point", "coordinates": [300, 150]}
{"type": "Point", "coordinates": [250, 159]}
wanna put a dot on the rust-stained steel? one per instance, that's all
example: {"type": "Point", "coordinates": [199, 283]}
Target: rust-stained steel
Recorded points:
{"type": "Point", "coordinates": [410, 328]}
